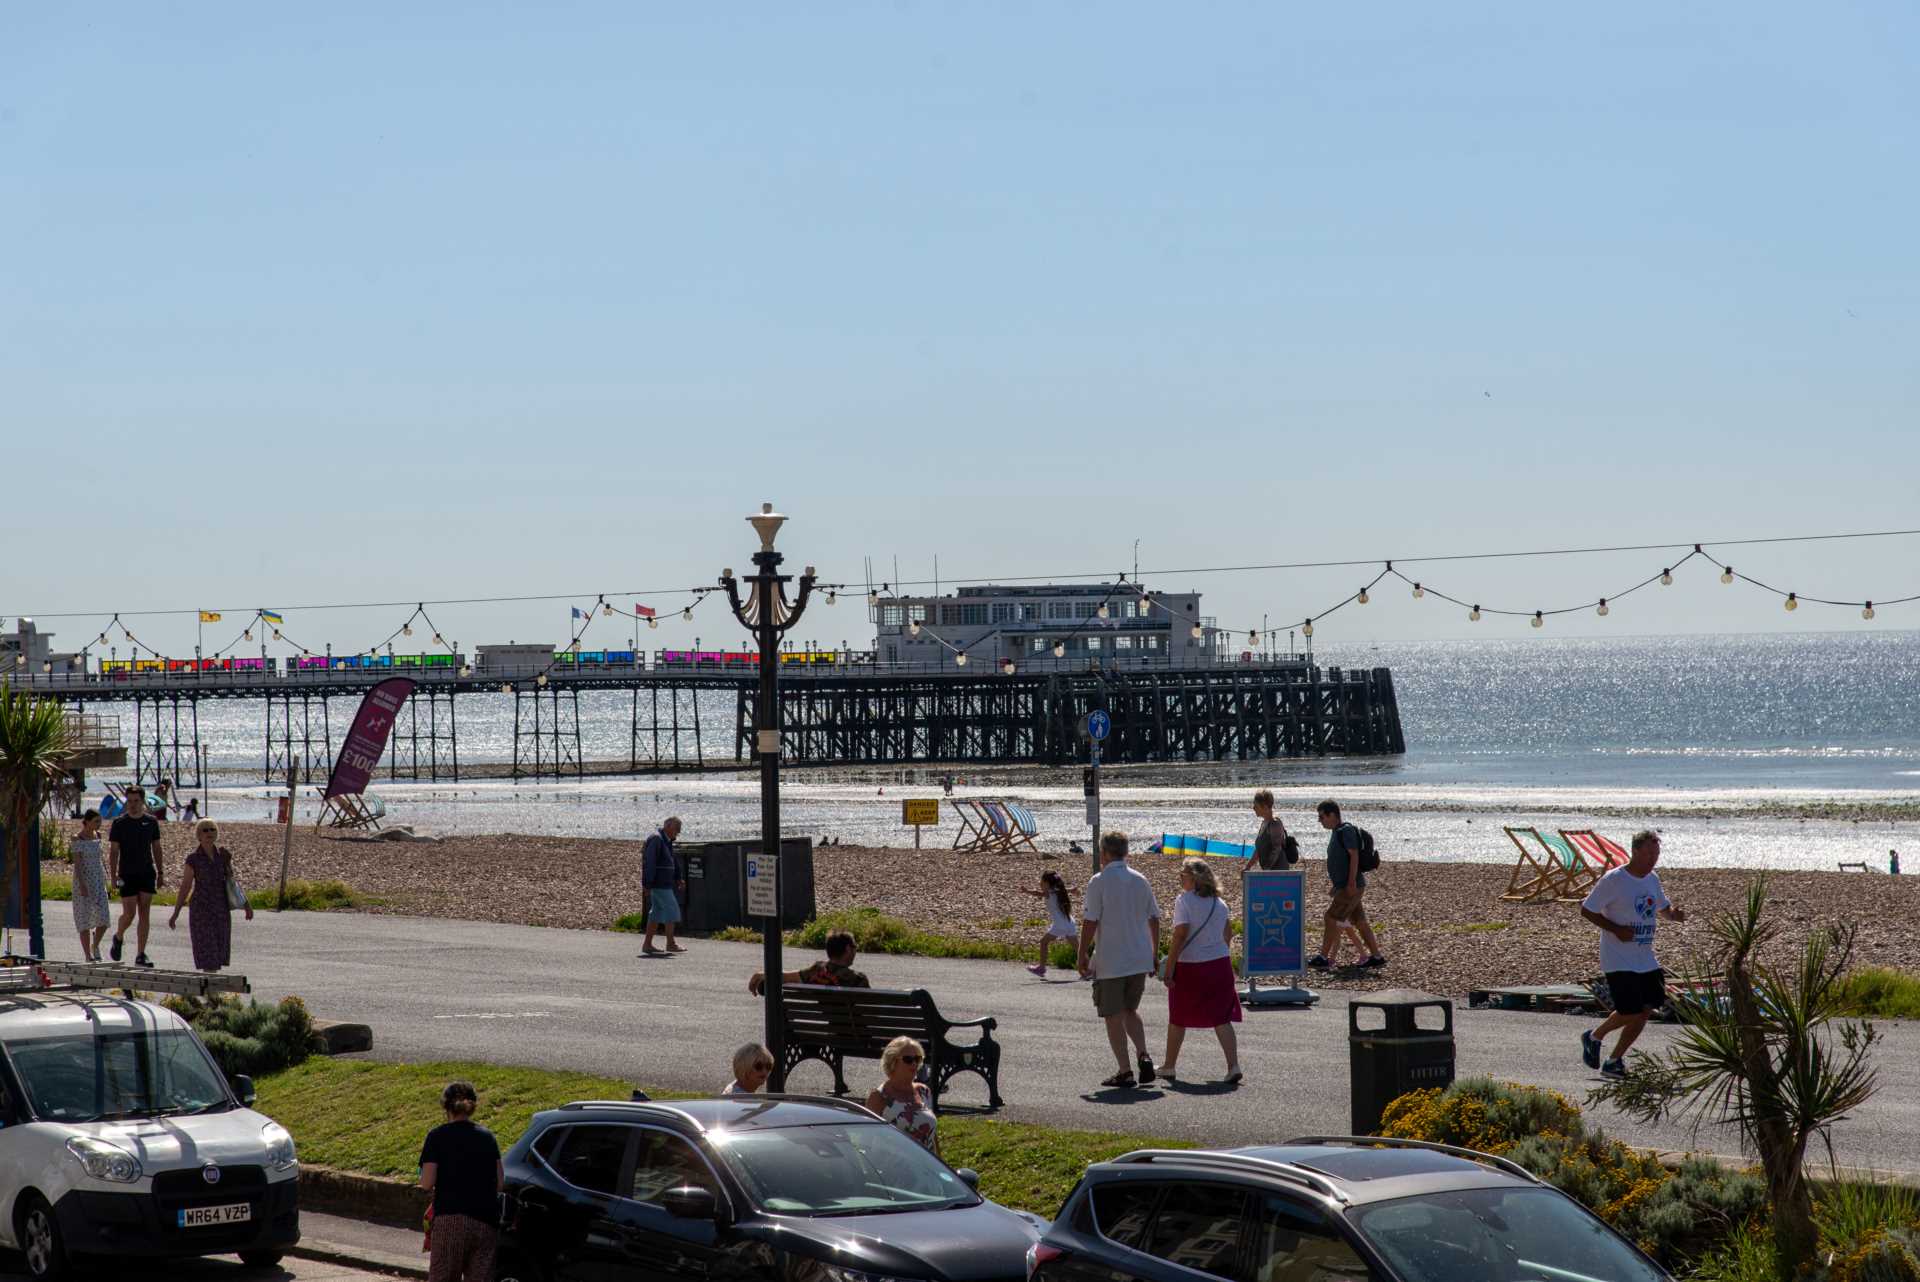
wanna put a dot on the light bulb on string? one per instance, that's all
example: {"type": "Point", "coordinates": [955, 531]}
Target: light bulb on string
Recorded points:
{"type": "Point", "coordinates": [960, 658]}
{"type": "Point", "coordinates": [1726, 574]}
{"type": "Point", "coordinates": [1059, 649]}
{"type": "Point", "coordinates": [1006, 666]}
{"type": "Point", "coordinates": [652, 622]}
{"type": "Point", "coordinates": [1418, 591]}
{"type": "Point", "coordinates": [686, 615]}
{"type": "Point", "coordinates": [1198, 631]}
{"type": "Point", "coordinates": [1103, 612]}
{"type": "Point", "coordinates": [276, 634]}
{"type": "Point", "coordinates": [247, 635]}
{"type": "Point", "coordinates": [437, 640]}
{"type": "Point", "coordinates": [1602, 610]}
{"type": "Point", "coordinates": [873, 598]}
{"type": "Point", "coordinates": [406, 629]}
{"type": "Point", "coordinates": [1306, 629]}
{"type": "Point", "coordinates": [606, 608]}
{"type": "Point", "coordinates": [1867, 612]}
{"type": "Point", "coordinates": [1473, 615]}
{"type": "Point", "coordinates": [1792, 602]}
{"type": "Point", "coordinates": [1253, 638]}
{"type": "Point", "coordinates": [1666, 578]}
{"type": "Point", "coordinates": [1363, 598]}
{"type": "Point", "coordinates": [540, 680]}
{"type": "Point", "coordinates": [832, 596]}
{"type": "Point", "coordinates": [1539, 620]}
{"type": "Point", "coordinates": [913, 627]}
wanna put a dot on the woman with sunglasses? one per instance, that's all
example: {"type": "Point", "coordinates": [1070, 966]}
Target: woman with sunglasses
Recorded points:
{"type": "Point", "coordinates": [752, 1066]}
{"type": "Point", "coordinates": [902, 1099]}
{"type": "Point", "coordinates": [203, 889]}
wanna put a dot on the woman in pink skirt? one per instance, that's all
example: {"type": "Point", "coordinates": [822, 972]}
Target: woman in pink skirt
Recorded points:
{"type": "Point", "coordinates": [1202, 991]}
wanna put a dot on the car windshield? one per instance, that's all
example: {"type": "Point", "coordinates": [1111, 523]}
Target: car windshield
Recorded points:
{"type": "Point", "coordinates": [1499, 1235]}
{"type": "Point", "coordinates": [849, 1169]}
{"type": "Point", "coordinates": [92, 1077]}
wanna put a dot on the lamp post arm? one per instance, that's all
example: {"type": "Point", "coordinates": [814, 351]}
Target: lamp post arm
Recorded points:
{"type": "Point", "coordinates": [799, 606]}
{"type": "Point", "coordinates": [732, 587]}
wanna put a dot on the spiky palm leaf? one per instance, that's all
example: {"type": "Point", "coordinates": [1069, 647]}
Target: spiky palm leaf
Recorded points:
{"type": "Point", "coordinates": [34, 748]}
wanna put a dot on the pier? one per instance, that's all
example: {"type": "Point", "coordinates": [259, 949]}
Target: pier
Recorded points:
{"type": "Point", "coordinates": [857, 713]}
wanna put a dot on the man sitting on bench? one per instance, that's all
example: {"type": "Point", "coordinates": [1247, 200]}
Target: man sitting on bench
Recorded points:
{"type": "Point", "coordinates": [836, 971]}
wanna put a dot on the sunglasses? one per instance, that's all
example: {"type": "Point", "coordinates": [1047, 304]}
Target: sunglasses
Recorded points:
{"type": "Point", "coordinates": [763, 1068]}
{"type": "Point", "coordinates": [909, 1059]}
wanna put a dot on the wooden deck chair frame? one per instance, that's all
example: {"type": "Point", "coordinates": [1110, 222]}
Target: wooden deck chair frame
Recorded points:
{"type": "Point", "coordinates": [1004, 832]}
{"type": "Point", "coordinates": [1025, 827]}
{"type": "Point", "coordinates": [1597, 856]}
{"type": "Point", "coordinates": [1533, 880]}
{"type": "Point", "coordinates": [975, 831]}
{"type": "Point", "coordinates": [1576, 876]}
{"type": "Point", "coordinates": [350, 811]}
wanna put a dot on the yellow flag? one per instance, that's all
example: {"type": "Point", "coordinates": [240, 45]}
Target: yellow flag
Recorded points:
{"type": "Point", "coordinates": [209, 616]}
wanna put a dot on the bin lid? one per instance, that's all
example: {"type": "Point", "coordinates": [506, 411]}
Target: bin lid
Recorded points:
{"type": "Point", "coordinates": [1399, 997]}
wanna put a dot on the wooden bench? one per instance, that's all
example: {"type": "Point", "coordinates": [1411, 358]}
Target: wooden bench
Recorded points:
{"type": "Point", "coordinates": [830, 1023]}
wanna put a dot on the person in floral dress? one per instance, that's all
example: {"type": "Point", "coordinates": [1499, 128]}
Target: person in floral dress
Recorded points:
{"type": "Point", "coordinates": [204, 891]}
{"type": "Point", "coordinates": [91, 913]}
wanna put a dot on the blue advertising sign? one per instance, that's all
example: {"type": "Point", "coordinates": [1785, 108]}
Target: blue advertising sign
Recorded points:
{"type": "Point", "coordinates": [1276, 922]}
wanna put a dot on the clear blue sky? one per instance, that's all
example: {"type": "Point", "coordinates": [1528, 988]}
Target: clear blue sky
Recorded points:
{"type": "Point", "coordinates": [371, 302]}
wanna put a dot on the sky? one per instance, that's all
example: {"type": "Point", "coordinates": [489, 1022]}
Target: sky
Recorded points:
{"type": "Point", "coordinates": [374, 303]}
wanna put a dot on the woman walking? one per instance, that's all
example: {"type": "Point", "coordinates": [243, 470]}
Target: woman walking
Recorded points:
{"type": "Point", "coordinates": [91, 914]}
{"type": "Point", "coordinates": [1201, 989]}
{"type": "Point", "coordinates": [460, 1165]}
{"type": "Point", "coordinates": [902, 1099]}
{"type": "Point", "coordinates": [203, 889]}
{"type": "Point", "coordinates": [1059, 916]}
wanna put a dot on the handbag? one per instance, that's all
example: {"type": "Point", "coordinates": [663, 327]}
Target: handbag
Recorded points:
{"type": "Point", "coordinates": [236, 897]}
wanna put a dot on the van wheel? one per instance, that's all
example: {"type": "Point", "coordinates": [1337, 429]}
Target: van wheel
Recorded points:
{"type": "Point", "coordinates": [40, 1240]}
{"type": "Point", "coordinates": [262, 1259]}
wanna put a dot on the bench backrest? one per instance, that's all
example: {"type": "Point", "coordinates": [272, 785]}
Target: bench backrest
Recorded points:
{"type": "Point", "coordinates": [860, 1021]}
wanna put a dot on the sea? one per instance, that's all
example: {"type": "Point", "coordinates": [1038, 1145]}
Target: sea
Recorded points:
{"type": "Point", "coordinates": [1740, 747]}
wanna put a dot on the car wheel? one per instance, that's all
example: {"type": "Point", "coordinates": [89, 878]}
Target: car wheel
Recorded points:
{"type": "Point", "coordinates": [40, 1240]}
{"type": "Point", "coordinates": [511, 1266]}
{"type": "Point", "coordinates": [262, 1259]}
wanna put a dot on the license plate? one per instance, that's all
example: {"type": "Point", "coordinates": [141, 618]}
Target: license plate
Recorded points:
{"type": "Point", "coordinates": [196, 1217]}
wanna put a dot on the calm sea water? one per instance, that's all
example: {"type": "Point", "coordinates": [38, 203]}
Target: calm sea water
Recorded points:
{"type": "Point", "coordinates": [1498, 729]}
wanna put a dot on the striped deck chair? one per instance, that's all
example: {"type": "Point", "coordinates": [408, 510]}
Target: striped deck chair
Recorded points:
{"type": "Point", "coordinates": [1005, 831]}
{"type": "Point", "coordinates": [975, 832]}
{"type": "Point", "coordinates": [1025, 826]}
{"type": "Point", "coordinates": [1535, 876]}
{"type": "Point", "coordinates": [1575, 875]}
{"type": "Point", "coordinates": [1598, 856]}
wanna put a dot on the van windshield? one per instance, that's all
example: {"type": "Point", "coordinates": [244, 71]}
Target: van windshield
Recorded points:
{"type": "Point", "coordinates": [92, 1077]}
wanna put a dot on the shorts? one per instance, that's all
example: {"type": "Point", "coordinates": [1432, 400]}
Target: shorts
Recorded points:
{"type": "Point", "coordinates": [663, 907]}
{"type": "Point", "coordinates": [1636, 992]}
{"type": "Point", "coordinates": [1119, 995]}
{"type": "Point", "coordinates": [137, 881]}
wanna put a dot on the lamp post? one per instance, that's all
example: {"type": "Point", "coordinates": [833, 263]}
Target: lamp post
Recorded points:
{"type": "Point", "coordinates": [768, 615]}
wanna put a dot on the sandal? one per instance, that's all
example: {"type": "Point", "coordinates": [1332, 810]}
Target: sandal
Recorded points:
{"type": "Point", "coordinates": [1120, 1081]}
{"type": "Point", "coordinates": [1234, 1078]}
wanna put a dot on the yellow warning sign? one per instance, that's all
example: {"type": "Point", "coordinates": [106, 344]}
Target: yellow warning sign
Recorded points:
{"type": "Point", "coordinates": [921, 813]}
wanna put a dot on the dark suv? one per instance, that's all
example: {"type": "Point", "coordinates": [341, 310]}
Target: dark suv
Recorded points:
{"type": "Point", "coordinates": [755, 1188]}
{"type": "Point", "coordinates": [1327, 1209]}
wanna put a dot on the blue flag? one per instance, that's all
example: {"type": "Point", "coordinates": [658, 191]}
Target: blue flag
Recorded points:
{"type": "Point", "coordinates": [577, 614]}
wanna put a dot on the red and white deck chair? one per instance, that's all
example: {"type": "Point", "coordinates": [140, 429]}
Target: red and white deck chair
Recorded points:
{"type": "Point", "coordinates": [1598, 856]}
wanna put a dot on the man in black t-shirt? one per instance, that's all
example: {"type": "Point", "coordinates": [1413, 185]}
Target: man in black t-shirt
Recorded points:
{"type": "Point", "coordinates": [136, 867]}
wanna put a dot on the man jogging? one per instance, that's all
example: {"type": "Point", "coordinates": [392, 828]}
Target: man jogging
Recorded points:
{"type": "Point", "coordinates": [1624, 905]}
{"type": "Point", "coordinates": [134, 864]}
{"type": "Point", "coordinates": [1120, 913]}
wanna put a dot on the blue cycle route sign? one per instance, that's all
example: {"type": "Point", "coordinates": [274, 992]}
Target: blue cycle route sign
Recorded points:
{"type": "Point", "coordinates": [1098, 723]}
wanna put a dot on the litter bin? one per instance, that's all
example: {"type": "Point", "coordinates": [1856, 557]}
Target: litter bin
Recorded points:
{"type": "Point", "coordinates": [1398, 1041]}
{"type": "Point", "coordinates": [717, 889]}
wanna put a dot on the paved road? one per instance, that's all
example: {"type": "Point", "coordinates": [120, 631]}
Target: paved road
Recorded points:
{"type": "Point", "coordinates": [435, 989]}
{"type": "Point", "coordinates": [218, 1268]}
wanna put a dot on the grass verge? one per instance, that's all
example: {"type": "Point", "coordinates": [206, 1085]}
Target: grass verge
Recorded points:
{"type": "Point", "coordinates": [371, 1117]}
{"type": "Point", "coordinates": [302, 896]}
{"type": "Point", "coordinates": [1880, 992]}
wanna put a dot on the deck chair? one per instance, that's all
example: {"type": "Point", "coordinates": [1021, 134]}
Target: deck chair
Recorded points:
{"type": "Point", "coordinates": [351, 811]}
{"type": "Point", "coordinates": [1025, 827]}
{"type": "Point", "coordinates": [975, 831]}
{"type": "Point", "coordinates": [1536, 876]}
{"type": "Point", "coordinates": [1005, 830]}
{"type": "Point", "coordinates": [1596, 855]}
{"type": "Point", "coordinates": [1576, 874]}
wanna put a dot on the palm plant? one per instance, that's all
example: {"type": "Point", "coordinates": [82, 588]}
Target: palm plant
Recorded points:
{"type": "Point", "coordinates": [33, 756]}
{"type": "Point", "coordinates": [1762, 1059]}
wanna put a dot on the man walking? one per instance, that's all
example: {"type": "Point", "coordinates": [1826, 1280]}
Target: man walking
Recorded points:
{"type": "Point", "coordinates": [1119, 912]}
{"type": "Point", "coordinates": [1349, 887]}
{"type": "Point", "coordinates": [1624, 904]}
{"type": "Point", "coordinates": [135, 865]}
{"type": "Point", "coordinates": [660, 878]}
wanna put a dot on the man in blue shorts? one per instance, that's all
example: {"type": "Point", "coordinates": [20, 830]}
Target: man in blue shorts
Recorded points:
{"type": "Point", "coordinates": [1625, 904]}
{"type": "Point", "coordinates": [660, 878]}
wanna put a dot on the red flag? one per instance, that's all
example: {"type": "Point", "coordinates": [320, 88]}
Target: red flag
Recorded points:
{"type": "Point", "coordinates": [643, 611]}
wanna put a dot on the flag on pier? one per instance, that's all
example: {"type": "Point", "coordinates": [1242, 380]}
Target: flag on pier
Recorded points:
{"type": "Point", "coordinates": [209, 616]}
{"type": "Point", "coordinates": [271, 617]}
{"type": "Point", "coordinates": [643, 611]}
{"type": "Point", "coordinates": [577, 614]}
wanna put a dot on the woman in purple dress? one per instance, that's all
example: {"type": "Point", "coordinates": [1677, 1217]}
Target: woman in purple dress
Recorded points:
{"type": "Point", "coordinates": [203, 889]}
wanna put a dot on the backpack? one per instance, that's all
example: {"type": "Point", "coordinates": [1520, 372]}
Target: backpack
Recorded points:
{"type": "Point", "coordinates": [1369, 857]}
{"type": "Point", "coordinates": [1290, 848]}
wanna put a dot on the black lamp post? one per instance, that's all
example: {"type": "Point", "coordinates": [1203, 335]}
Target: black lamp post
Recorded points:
{"type": "Point", "coordinates": [768, 615]}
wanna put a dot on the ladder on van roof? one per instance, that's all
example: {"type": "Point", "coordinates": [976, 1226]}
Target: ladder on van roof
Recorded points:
{"type": "Point", "coordinates": [145, 979]}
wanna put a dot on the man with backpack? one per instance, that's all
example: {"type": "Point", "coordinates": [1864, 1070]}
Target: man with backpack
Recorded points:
{"type": "Point", "coordinates": [1350, 857]}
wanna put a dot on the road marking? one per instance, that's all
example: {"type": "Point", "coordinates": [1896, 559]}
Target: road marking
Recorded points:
{"type": "Point", "coordinates": [500, 1014]}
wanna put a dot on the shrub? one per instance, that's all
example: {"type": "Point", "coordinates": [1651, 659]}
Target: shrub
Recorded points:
{"type": "Point", "coordinates": [1883, 1255]}
{"type": "Point", "coordinates": [1480, 1113]}
{"type": "Point", "coordinates": [1746, 1256]}
{"type": "Point", "coordinates": [636, 924]}
{"type": "Point", "coordinates": [1880, 992]}
{"type": "Point", "coordinates": [307, 896]}
{"type": "Point", "coordinates": [250, 1037]}
{"type": "Point", "coordinates": [53, 846]}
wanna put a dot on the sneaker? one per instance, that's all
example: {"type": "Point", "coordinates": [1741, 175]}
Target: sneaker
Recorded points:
{"type": "Point", "coordinates": [1041, 971]}
{"type": "Point", "coordinates": [1146, 1069]}
{"type": "Point", "coordinates": [1615, 1069]}
{"type": "Point", "coordinates": [1317, 962]}
{"type": "Point", "coordinates": [113, 949]}
{"type": "Point", "coordinates": [1374, 962]}
{"type": "Point", "coordinates": [141, 960]}
{"type": "Point", "coordinates": [1590, 1049]}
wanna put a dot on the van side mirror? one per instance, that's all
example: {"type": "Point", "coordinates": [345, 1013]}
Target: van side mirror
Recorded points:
{"type": "Point", "coordinates": [969, 1177]}
{"type": "Point", "coordinates": [243, 1089]}
{"type": "Point", "coordinates": [691, 1202]}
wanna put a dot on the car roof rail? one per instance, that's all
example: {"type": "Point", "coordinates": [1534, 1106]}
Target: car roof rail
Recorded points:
{"type": "Point", "coordinates": [642, 1107]}
{"type": "Point", "coordinates": [1237, 1161]}
{"type": "Point", "coordinates": [1382, 1141]}
{"type": "Point", "coordinates": [821, 1101]}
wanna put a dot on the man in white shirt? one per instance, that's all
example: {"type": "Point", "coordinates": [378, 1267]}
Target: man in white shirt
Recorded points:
{"type": "Point", "coordinates": [1625, 904]}
{"type": "Point", "coordinates": [1120, 911]}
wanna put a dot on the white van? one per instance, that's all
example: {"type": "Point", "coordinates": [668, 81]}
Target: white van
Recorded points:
{"type": "Point", "coordinates": [120, 1136]}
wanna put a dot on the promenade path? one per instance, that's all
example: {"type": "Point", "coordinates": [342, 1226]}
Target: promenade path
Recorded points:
{"type": "Point", "coordinates": [437, 989]}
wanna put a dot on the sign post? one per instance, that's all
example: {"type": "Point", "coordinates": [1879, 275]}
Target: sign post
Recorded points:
{"type": "Point", "coordinates": [1275, 939]}
{"type": "Point", "coordinates": [920, 813]}
{"type": "Point", "coordinates": [1096, 726]}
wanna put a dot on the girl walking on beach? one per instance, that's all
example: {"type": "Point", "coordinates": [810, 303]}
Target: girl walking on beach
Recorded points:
{"type": "Point", "coordinates": [203, 889]}
{"type": "Point", "coordinates": [1059, 916]}
{"type": "Point", "coordinates": [91, 914]}
{"type": "Point", "coordinates": [1201, 989]}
